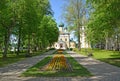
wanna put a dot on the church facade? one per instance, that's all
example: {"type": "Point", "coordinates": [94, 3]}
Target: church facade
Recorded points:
{"type": "Point", "coordinates": [64, 41]}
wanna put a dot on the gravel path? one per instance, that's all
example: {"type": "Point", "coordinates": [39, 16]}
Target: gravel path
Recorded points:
{"type": "Point", "coordinates": [101, 71]}
{"type": "Point", "coordinates": [13, 71]}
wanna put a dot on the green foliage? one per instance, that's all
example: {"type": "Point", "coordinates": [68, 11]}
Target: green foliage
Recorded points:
{"type": "Point", "coordinates": [103, 19]}
{"type": "Point", "coordinates": [49, 29]}
{"type": "Point", "coordinates": [31, 22]}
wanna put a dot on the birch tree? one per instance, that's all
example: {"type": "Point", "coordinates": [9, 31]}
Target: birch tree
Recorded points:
{"type": "Point", "coordinates": [74, 13]}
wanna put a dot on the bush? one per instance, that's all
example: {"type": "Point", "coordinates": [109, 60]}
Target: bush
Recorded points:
{"type": "Point", "coordinates": [75, 49]}
{"type": "Point", "coordinates": [71, 49]}
{"type": "Point", "coordinates": [52, 49]}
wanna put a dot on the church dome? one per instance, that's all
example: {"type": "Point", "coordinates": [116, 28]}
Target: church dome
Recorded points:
{"type": "Point", "coordinates": [61, 25]}
{"type": "Point", "coordinates": [65, 28]}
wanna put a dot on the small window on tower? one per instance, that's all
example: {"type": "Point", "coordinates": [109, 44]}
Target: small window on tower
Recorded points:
{"type": "Point", "coordinates": [56, 45]}
{"type": "Point", "coordinates": [65, 39]}
{"type": "Point", "coordinates": [61, 39]}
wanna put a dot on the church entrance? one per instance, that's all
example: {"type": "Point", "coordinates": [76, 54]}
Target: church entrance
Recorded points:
{"type": "Point", "coordinates": [61, 45]}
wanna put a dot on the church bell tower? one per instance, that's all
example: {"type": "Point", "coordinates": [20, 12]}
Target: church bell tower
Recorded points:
{"type": "Point", "coordinates": [61, 27]}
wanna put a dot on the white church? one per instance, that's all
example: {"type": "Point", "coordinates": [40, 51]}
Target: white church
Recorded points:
{"type": "Point", "coordinates": [64, 41]}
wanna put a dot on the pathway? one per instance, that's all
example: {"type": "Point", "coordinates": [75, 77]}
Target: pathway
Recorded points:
{"type": "Point", "coordinates": [100, 70]}
{"type": "Point", "coordinates": [13, 71]}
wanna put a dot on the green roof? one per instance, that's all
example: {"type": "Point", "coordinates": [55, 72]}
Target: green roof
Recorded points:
{"type": "Point", "coordinates": [61, 25]}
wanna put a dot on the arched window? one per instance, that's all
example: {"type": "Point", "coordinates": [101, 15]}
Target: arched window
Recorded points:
{"type": "Point", "coordinates": [65, 39]}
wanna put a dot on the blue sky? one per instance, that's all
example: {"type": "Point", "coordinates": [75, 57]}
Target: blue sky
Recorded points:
{"type": "Point", "coordinates": [57, 9]}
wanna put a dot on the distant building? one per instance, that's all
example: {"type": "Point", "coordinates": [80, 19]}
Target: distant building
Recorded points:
{"type": "Point", "coordinates": [64, 41]}
{"type": "Point", "coordinates": [83, 40]}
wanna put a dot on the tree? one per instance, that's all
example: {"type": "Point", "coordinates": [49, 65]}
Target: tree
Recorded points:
{"type": "Point", "coordinates": [74, 13]}
{"type": "Point", "coordinates": [7, 21]}
{"type": "Point", "coordinates": [24, 18]}
{"type": "Point", "coordinates": [103, 20]}
{"type": "Point", "coordinates": [50, 31]}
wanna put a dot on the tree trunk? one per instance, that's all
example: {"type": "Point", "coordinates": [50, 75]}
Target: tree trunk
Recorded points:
{"type": "Point", "coordinates": [28, 52]}
{"type": "Point", "coordinates": [19, 41]}
{"type": "Point", "coordinates": [6, 40]}
{"type": "Point", "coordinates": [78, 25]}
{"type": "Point", "coordinates": [106, 43]}
{"type": "Point", "coordinates": [79, 43]}
{"type": "Point", "coordinates": [29, 44]}
{"type": "Point", "coordinates": [117, 44]}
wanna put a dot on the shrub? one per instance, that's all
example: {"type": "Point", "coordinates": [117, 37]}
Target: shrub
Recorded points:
{"type": "Point", "coordinates": [52, 49]}
{"type": "Point", "coordinates": [71, 49]}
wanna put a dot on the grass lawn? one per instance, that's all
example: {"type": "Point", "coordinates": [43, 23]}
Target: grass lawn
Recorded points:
{"type": "Point", "coordinates": [78, 70]}
{"type": "Point", "coordinates": [12, 58]}
{"type": "Point", "coordinates": [111, 57]}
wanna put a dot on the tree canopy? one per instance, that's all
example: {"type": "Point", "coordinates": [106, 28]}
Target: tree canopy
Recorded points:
{"type": "Point", "coordinates": [104, 20]}
{"type": "Point", "coordinates": [32, 23]}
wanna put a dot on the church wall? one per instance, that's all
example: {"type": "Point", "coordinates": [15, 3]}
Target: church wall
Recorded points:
{"type": "Point", "coordinates": [65, 38]}
{"type": "Point", "coordinates": [72, 45]}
